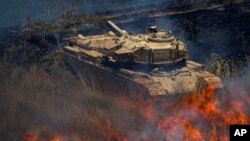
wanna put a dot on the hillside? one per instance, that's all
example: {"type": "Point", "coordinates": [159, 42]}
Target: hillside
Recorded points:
{"type": "Point", "coordinates": [42, 99]}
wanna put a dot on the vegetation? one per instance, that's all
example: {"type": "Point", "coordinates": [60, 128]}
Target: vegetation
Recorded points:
{"type": "Point", "coordinates": [40, 104]}
{"type": "Point", "coordinates": [228, 68]}
{"type": "Point", "coordinates": [41, 98]}
{"type": "Point", "coordinates": [33, 100]}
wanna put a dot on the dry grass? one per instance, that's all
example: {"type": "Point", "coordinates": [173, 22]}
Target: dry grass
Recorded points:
{"type": "Point", "coordinates": [228, 68]}
{"type": "Point", "coordinates": [49, 100]}
{"type": "Point", "coordinates": [34, 100]}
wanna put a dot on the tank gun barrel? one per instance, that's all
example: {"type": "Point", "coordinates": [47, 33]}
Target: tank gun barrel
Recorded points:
{"type": "Point", "coordinates": [119, 30]}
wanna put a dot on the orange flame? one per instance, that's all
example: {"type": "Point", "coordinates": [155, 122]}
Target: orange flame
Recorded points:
{"type": "Point", "coordinates": [204, 107]}
{"type": "Point", "coordinates": [56, 138]}
{"type": "Point", "coordinates": [30, 137]}
{"type": "Point", "coordinates": [196, 117]}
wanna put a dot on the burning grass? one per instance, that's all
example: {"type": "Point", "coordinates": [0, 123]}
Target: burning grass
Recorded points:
{"type": "Point", "coordinates": [44, 102]}
{"type": "Point", "coordinates": [41, 103]}
{"type": "Point", "coordinates": [39, 106]}
{"type": "Point", "coordinates": [203, 116]}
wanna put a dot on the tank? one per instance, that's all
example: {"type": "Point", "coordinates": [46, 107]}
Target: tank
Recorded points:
{"type": "Point", "coordinates": [152, 64]}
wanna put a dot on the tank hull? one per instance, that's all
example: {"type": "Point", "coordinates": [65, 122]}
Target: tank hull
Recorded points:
{"type": "Point", "coordinates": [189, 79]}
{"type": "Point", "coordinates": [104, 80]}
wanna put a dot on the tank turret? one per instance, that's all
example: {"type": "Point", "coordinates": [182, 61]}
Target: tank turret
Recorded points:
{"type": "Point", "coordinates": [155, 48]}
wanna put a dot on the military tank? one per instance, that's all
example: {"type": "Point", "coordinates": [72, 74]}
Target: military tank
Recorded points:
{"type": "Point", "coordinates": [152, 64]}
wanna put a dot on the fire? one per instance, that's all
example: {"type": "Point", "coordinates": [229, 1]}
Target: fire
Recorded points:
{"type": "Point", "coordinates": [29, 136]}
{"type": "Point", "coordinates": [192, 132]}
{"type": "Point", "coordinates": [148, 110]}
{"type": "Point", "coordinates": [197, 117]}
{"type": "Point", "coordinates": [56, 138]}
{"type": "Point", "coordinates": [110, 132]}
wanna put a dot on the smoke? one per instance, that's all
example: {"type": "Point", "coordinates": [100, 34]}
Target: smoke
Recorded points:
{"type": "Point", "coordinates": [204, 116]}
{"type": "Point", "coordinates": [38, 105]}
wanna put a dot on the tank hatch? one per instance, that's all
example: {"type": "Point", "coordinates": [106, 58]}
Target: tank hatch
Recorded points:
{"type": "Point", "coordinates": [161, 36]}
